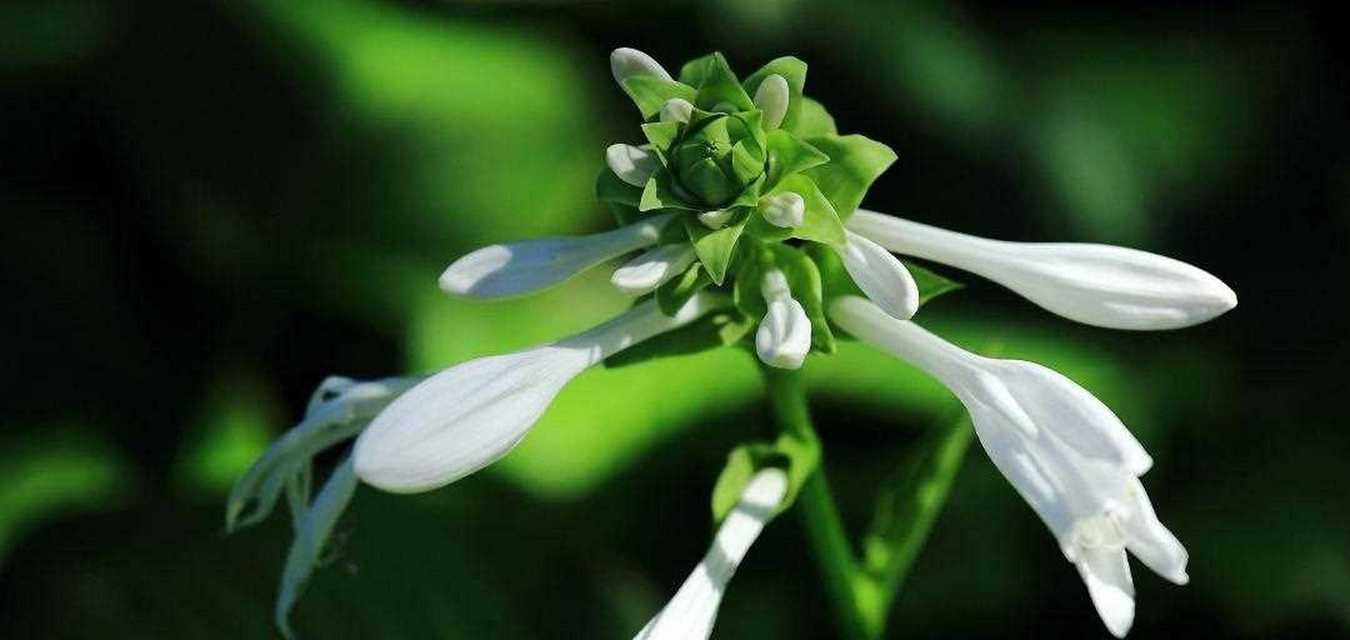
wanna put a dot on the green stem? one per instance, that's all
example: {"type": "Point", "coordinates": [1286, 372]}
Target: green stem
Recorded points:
{"type": "Point", "coordinates": [824, 528]}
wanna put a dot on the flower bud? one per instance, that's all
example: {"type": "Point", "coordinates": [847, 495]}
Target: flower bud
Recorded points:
{"type": "Point", "coordinates": [716, 159]}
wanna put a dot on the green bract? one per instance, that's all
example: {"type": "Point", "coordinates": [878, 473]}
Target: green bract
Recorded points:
{"type": "Point", "coordinates": [758, 175]}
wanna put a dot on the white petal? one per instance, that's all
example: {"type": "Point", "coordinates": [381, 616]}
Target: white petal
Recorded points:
{"type": "Point", "coordinates": [784, 336]}
{"type": "Point", "coordinates": [653, 268]}
{"type": "Point", "coordinates": [469, 415]}
{"type": "Point", "coordinates": [691, 613]}
{"type": "Point", "coordinates": [1095, 284]}
{"type": "Point", "coordinates": [1149, 540]}
{"type": "Point", "coordinates": [503, 270]}
{"type": "Point", "coordinates": [1106, 573]}
{"type": "Point", "coordinates": [625, 63]}
{"type": "Point", "coordinates": [315, 527]}
{"type": "Point", "coordinates": [338, 410]}
{"type": "Point", "coordinates": [632, 164]}
{"type": "Point", "coordinates": [677, 110]}
{"type": "Point", "coordinates": [772, 99]}
{"type": "Point", "coordinates": [881, 276]}
{"type": "Point", "coordinates": [786, 209]}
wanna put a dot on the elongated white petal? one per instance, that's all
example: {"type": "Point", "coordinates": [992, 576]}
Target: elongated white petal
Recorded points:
{"type": "Point", "coordinates": [677, 110]}
{"type": "Point", "coordinates": [1095, 284]}
{"type": "Point", "coordinates": [632, 164]}
{"type": "Point", "coordinates": [1106, 573]}
{"type": "Point", "coordinates": [315, 526]}
{"type": "Point", "coordinates": [503, 270]}
{"type": "Point", "coordinates": [653, 268]}
{"type": "Point", "coordinates": [469, 415]}
{"type": "Point", "coordinates": [880, 275]}
{"type": "Point", "coordinates": [625, 63]}
{"type": "Point", "coordinates": [772, 99]}
{"type": "Point", "coordinates": [691, 613]}
{"type": "Point", "coordinates": [784, 335]}
{"type": "Point", "coordinates": [786, 209]}
{"type": "Point", "coordinates": [1068, 456]}
{"type": "Point", "coordinates": [338, 410]}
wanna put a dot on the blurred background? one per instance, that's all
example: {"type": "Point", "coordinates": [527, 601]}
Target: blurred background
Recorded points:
{"type": "Point", "coordinates": [209, 207]}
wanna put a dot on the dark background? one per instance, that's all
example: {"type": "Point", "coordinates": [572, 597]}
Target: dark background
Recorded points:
{"type": "Point", "coordinates": [208, 207]}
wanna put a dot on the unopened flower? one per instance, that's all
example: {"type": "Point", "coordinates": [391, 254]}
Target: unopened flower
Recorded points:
{"type": "Point", "coordinates": [739, 225]}
{"type": "Point", "coordinates": [691, 613]}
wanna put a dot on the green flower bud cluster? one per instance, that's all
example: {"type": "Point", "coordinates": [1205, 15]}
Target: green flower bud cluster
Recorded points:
{"type": "Point", "coordinates": [760, 180]}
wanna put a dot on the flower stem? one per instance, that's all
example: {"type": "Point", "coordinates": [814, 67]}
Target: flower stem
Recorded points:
{"type": "Point", "coordinates": [824, 528]}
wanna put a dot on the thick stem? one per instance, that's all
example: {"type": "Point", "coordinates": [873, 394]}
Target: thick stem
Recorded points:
{"type": "Point", "coordinates": [824, 528]}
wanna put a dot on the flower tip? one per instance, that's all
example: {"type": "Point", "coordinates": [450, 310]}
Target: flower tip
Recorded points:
{"type": "Point", "coordinates": [766, 489]}
{"type": "Point", "coordinates": [471, 274]}
{"type": "Point", "coordinates": [772, 99]}
{"type": "Point", "coordinates": [634, 165]}
{"type": "Point", "coordinates": [626, 62]}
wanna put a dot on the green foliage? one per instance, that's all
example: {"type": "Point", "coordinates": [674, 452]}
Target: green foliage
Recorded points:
{"type": "Point", "coordinates": [650, 93]}
{"type": "Point", "coordinates": [716, 248]}
{"type": "Point", "coordinates": [672, 295]}
{"type": "Point", "coordinates": [788, 155]}
{"type": "Point", "coordinates": [855, 162]}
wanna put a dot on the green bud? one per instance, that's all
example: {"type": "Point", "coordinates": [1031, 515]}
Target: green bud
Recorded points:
{"type": "Point", "coordinates": [717, 157]}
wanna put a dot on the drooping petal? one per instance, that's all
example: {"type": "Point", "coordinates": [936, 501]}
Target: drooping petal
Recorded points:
{"type": "Point", "coordinates": [503, 270]}
{"type": "Point", "coordinates": [691, 613]}
{"type": "Point", "coordinates": [772, 99]}
{"type": "Point", "coordinates": [653, 268]}
{"type": "Point", "coordinates": [1063, 451]}
{"type": "Point", "coordinates": [1095, 284]}
{"type": "Point", "coordinates": [784, 335]}
{"type": "Point", "coordinates": [338, 410]}
{"type": "Point", "coordinates": [632, 164]}
{"type": "Point", "coordinates": [786, 209]}
{"type": "Point", "coordinates": [880, 275]}
{"type": "Point", "coordinates": [469, 415]}
{"type": "Point", "coordinates": [315, 527]}
{"type": "Point", "coordinates": [625, 63]}
{"type": "Point", "coordinates": [1106, 573]}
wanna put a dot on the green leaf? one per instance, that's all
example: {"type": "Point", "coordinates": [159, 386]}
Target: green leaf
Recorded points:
{"type": "Point", "coordinates": [713, 331]}
{"type": "Point", "coordinates": [855, 162]}
{"type": "Point", "coordinates": [719, 85]}
{"type": "Point", "coordinates": [908, 505]}
{"type": "Point", "coordinates": [803, 278]}
{"type": "Point", "coordinates": [609, 188]}
{"type": "Point", "coordinates": [650, 93]}
{"type": "Point", "coordinates": [788, 154]}
{"type": "Point", "coordinates": [661, 134]}
{"type": "Point", "coordinates": [694, 72]}
{"type": "Point", "coordinates": [794, 71]}
{"type": "Point", "coordinates": [672, 295]}
{"type": "Point", "coordinates": [931, 285]}
{"type": "Point", "coordinates": [715, 247]}
{"type": "Point", "coordinates": [812, 121]}
{"type": "Point", "coordinates": [660, 194]}
{"type": "Point", "coordinates": [797, 457]}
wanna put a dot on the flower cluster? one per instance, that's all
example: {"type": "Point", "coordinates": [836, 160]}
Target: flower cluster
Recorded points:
{"type": "Point", "coordinates": [741, 216]}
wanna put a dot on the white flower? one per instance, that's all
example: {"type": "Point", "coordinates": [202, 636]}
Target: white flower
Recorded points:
{"type": "Point", "coordinates": [1095, 284]}
{"type": "Point", "coordinates": [632, 164]}
{"type": "Point", "coordinates": [626, 63]}
{"type": "Point", "coordinates": [772, 100]}
{"type": "Point", "coordinates": [312, 530]}
{"type": "Point", "coordinates": [691, 613]}
{"type": "Point", "coordinates": [503, 270]}
{"type": "Point", "coordinates": [1061, 448]}
{"type": "Point", "coordinates": [786, 209]}
{"type": "Point", "coordinates": [653, 268]}
{"type": "Point", "coordinates": [880, 275]}
{"type": "Point", "coordinates": [338, 410]}
{"type": "Point", "coordinates": [784, 336]}
{"type": "Point", "coordinates": [469, 415]}
{"type": "Point", "coordinates": [717, 218]}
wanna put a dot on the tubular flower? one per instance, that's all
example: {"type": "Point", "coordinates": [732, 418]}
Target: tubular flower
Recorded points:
{"type": "Point", "coordinates": [691, 613]}
{"type": "Point", "coordinates": [739, 226]}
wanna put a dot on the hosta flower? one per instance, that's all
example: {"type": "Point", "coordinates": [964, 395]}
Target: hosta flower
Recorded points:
{"type": "Point", "coordinates": [739, 226]}
{"type": "Point", "coordinates": [1061, 448]}
{"type": "Point", "coordinates": [691, 613]}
